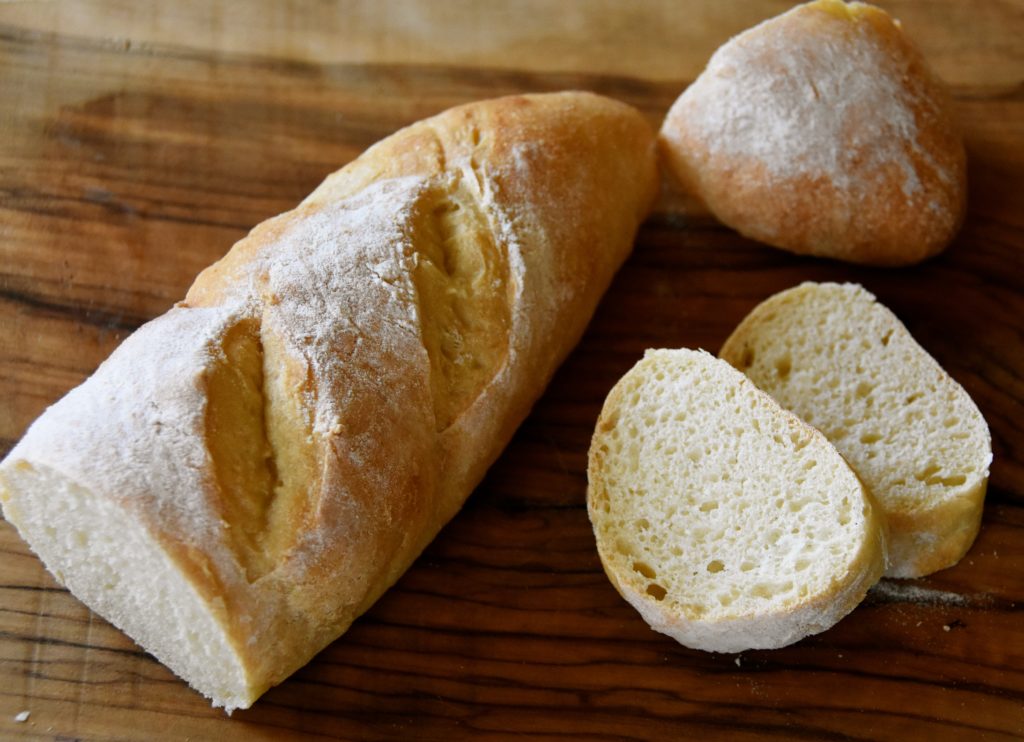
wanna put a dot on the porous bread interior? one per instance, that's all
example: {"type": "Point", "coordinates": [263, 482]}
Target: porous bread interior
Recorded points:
{"type": "Point", "coordinates": [712, 503]}
{"type": "Point", "coordinates": [109, 561]}
{"type": "Point", "coordinates": [848, 366]}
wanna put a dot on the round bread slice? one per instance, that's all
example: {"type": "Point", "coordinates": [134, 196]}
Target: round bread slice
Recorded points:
{"type": "Point", "coordinates": [845, 364]}
{"type": "Point", "coordinates": [823, 132]}
{"type": "Point", "coordinates": [727, 522]}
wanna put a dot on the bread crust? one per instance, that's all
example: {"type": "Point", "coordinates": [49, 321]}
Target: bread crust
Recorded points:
{"type": "Point", "coordinates": [823, 132]}
{"type": "Point", "coordinates": [387, 336]}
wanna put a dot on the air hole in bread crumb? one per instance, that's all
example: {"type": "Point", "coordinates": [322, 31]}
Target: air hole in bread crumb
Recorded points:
{"type": "Point", "coordinates": [656, 591]}
{"type": "Point", "coordinates": [885, 337]}
{"type": "Point", "coordinates": [761, 591]}
{"type": "Point", "coordinates": [802, 564]}
{"type": "Point", "coordinates": [927, 473]}
{"type": "Point", "coordinates": [951, 421]}
{"type": "Point", "coordinates": [913, 398]}
{"type": "Point", "coordinates": [715, 566]}
{"type": "Point", "coordinates": [747, 359]}
{"type": "Point", "coordinates": [864, 389]}
{"type": "Point", "coordinates": [642, 524]}
{"type": "Point", "coordinates": [783, 366]}
{"type": "Point", "coordinates": [707, 507]}
{"type": "Point", "coordinates": [645, 569]}
{"type": "Point", "coordinates": [746, 566]}
{"type": "Point", "coordinates": [870, 438]}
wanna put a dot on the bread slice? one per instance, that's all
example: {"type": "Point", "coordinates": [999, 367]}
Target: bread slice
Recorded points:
{"type": "Point", "coordinates": [845, 364]}
{"type": "Point", "coordinates": [727, 522]}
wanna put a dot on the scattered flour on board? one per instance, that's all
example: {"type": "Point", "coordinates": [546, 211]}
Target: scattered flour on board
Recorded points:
{"type": "Point", "coordinates": [897, 591]}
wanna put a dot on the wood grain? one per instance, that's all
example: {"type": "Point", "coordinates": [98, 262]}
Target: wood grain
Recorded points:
{"type": "Point", "coordinates": [138, 142]}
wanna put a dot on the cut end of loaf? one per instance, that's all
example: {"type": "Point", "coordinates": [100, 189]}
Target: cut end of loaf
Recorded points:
{"type": "Point", "coordinates": [107, 559]}
{"type": "Point", "coordinates": [723, 519]}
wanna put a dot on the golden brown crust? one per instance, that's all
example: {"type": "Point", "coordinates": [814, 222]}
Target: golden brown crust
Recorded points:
{"type": "Point", "coordinates": [576, 174]}
{"type": "Point", "coordinates": [394, 329]}
{"type": "Point", "coordinates": [823, 132]}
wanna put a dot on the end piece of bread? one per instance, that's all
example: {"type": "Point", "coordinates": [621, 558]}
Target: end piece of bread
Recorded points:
{"type": "Point", "coordinates": [823, 132]}
{"type": "Point", "coordinates": [726, 521]}
{"type": "Point", "coordinates": [845, 364]}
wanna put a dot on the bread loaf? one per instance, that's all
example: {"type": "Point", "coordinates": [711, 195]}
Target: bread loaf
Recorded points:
{"type": "Point", "coordinates": [246, 474]}
{"type": "Point", "coordinates": [727, 522]}
{"type": "Point", "coordinates": [845, 364]}
{"type": "Point", "coordinates": [823, 132]}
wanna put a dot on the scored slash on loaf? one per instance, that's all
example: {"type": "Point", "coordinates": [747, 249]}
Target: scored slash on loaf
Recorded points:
{"type": "Point", "coordinates": [248, 473]}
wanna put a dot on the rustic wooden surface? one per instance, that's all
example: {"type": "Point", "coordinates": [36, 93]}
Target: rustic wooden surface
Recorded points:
{"type": "Point", "coordinates": [138, 141]}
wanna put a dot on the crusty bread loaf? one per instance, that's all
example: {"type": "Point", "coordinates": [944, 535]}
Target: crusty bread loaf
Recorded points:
{"type": "Point", "coordinates": [823, 132]}
{"type": "Point", "coordinates": [727, 522]}
{"type": "Point", "coordinates": [845, 364]}
{"type": "Point", "coordinates": [246, 474]}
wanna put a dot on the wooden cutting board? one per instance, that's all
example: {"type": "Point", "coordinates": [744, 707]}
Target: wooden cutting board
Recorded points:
{"type": "Point", "coordinates": [139, 141]}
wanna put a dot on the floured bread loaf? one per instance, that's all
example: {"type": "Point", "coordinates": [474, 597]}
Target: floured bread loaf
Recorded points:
{"type": "Point", "coordinates": [727, 522]}
{"type": "Point", "coordinates": [247, 474]}
{"type": "Point", "coordinates": [823, 132]}
{"type": "Point", "coordinates": [845, 364]}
